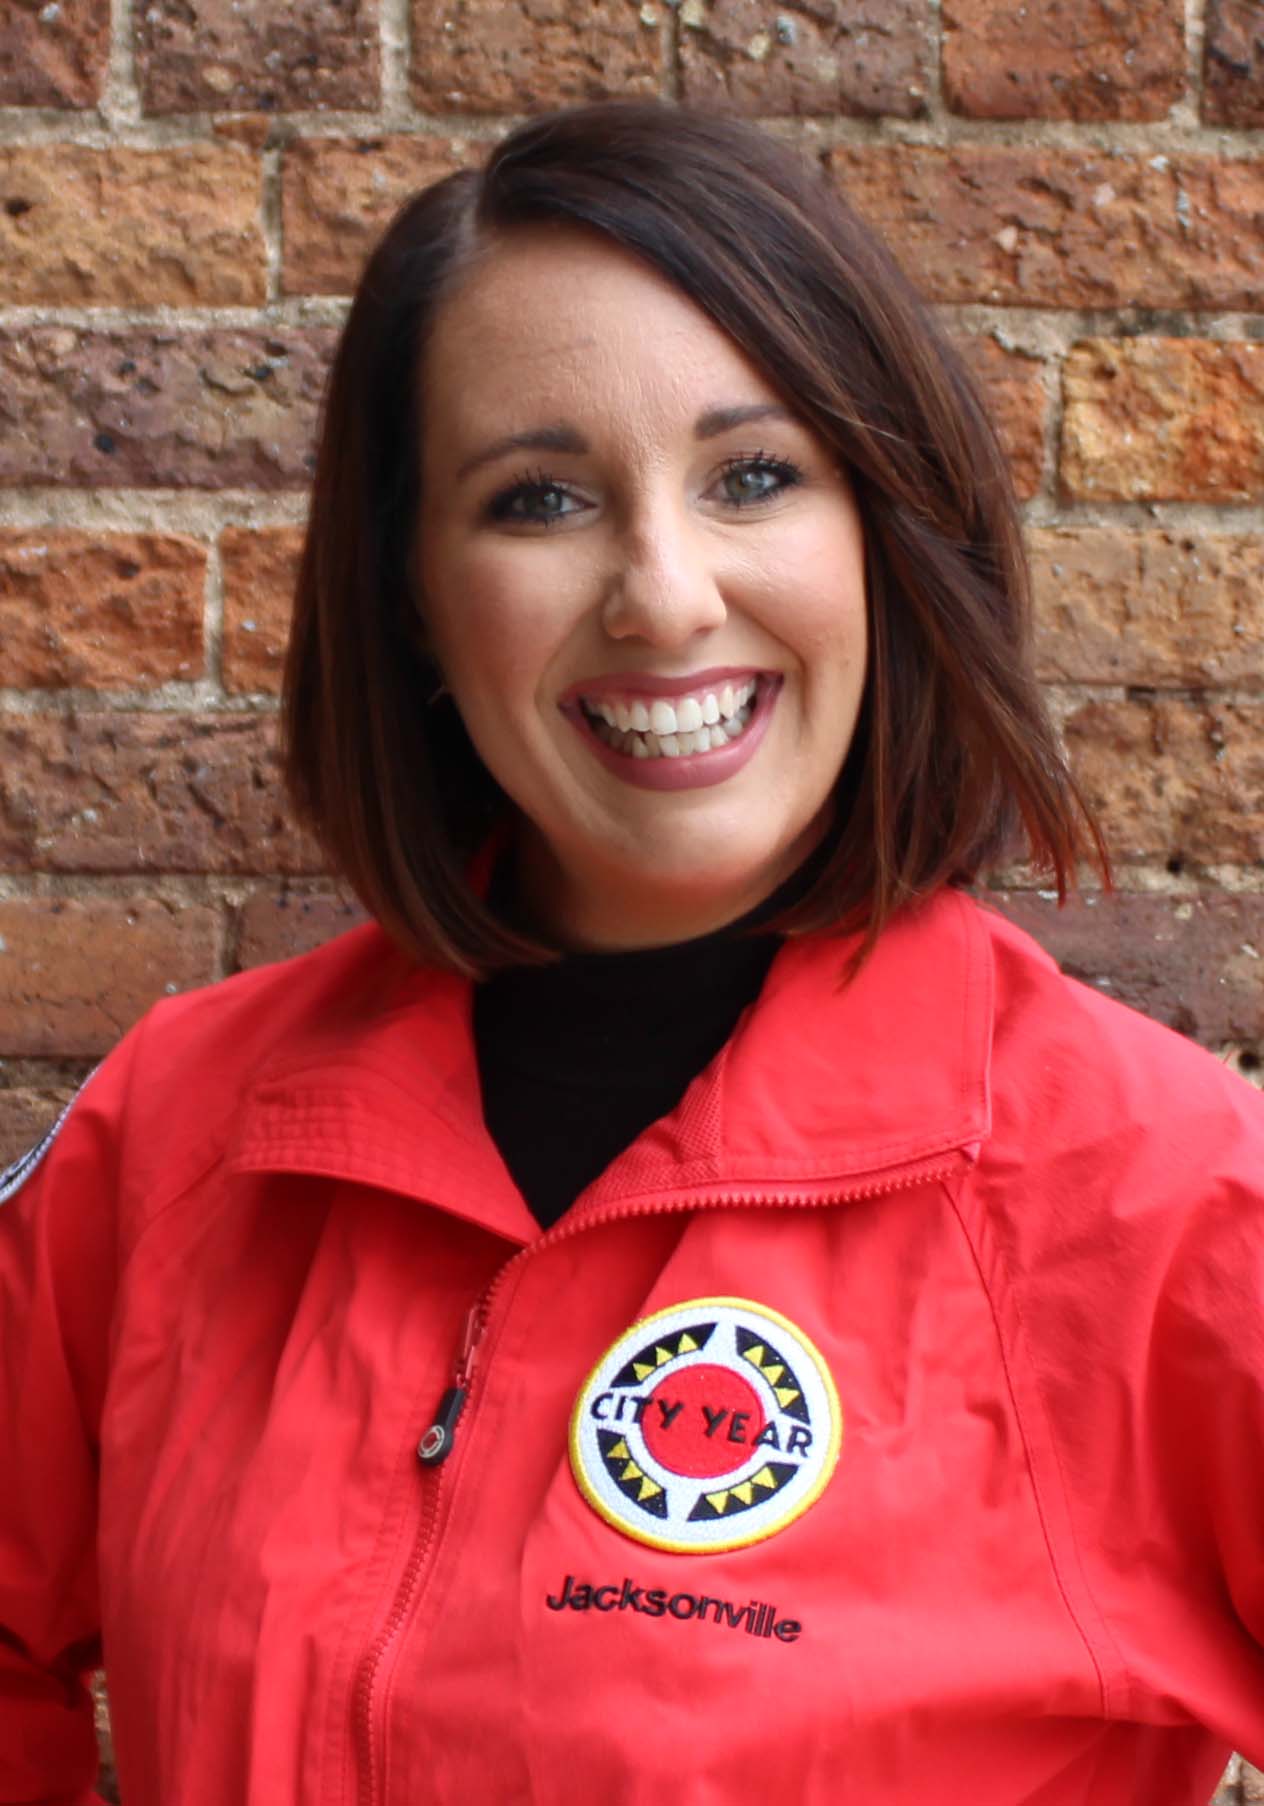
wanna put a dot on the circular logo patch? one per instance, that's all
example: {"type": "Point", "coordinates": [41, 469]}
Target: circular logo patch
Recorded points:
{"type": "Point", "coordinates": [707, 1426]}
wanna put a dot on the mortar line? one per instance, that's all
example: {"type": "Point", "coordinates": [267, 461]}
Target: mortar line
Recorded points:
{"type": "Point", "coordinates": [271, 221]}
{"type": "Point", "coordinates": [936, 100]}
{"type": "Point", "coordinates": [395, 27]}
{"type": "Point", "coordinates": [120, 98]}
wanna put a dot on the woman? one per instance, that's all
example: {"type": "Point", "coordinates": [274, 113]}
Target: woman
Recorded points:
{"type": "Point", "coordinates": [697, 1308]}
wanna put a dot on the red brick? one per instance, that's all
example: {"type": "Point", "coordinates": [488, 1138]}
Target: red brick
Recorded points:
{"type": "Point", "coordinates": [117, 792]}
{"type": "Point", "coordinates": [517, 56]}
{"type": "Point", "coordinates": [1063, 59]}
{"type": "Point", "coordinates": [1233, 84]}
{"type": "Point", "coordinates": [1174, 781]}
{"type": "Point", "coordinates": [1164, 420]}
{"type": "Point", "coordinates": [1156, 607]}
{"type": "Point", "coordinates": [161, 408]}
{"type": "Point", "coordinates": [199, 56]}
{"type": "Point", "coordinates": [338, 195]}
{"type": "Point", "coordinates": [837, 56]}
{"type": "Point", "coordinates": [53, 58]}
{"type": "Point", "coordinates": [278, 923]}
{"type": "Point", "coordinates": [26, 1116]}
{"type": "Point", "coordinates": [1195, 963]}
{"type": "Point", "coordinates": [138, 228]}
{"type": "Point", "coordinates": [75, 975]}
{"type": "Point", "coordinates": [99, 610]}
{"type": "Point", "coordinates": [1043, 227]}
{"type": "Point", "coordinates": [260, 572]}
{"type": "Point", "coordinates": [1013, 388]}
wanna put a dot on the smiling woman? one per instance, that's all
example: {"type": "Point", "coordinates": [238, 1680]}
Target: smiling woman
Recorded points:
{"type": "Point", "coordinates": [639, 402]}
{"type": "Point", "coordinates": [686, 1304]}
{"type": "Point", "coordinates": [656, 644]}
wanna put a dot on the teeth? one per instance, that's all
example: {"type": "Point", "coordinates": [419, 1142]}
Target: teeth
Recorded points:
{"type": "Point", "coordinates": [662, 717]}
{"type": "Point", "coordinates": [671, 730]}
{"type": "Point", "coordinates": [688, 714]}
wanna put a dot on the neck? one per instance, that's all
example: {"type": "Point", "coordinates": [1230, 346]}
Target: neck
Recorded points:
{"type": "Point", "coordinates": [604, 914]}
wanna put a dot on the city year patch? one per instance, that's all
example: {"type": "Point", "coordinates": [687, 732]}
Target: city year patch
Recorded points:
{"type": "Point", "coordinates": [706, 1426]}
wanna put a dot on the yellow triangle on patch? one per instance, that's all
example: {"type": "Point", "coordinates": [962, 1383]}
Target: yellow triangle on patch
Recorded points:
{"type": "Point", "coordinates": [649, 1489]}
{"type": "Point", "coordinates": [661, 1354]}
{"type": "Point", "coordinates": [786, 1395]}
{"type": "Point", "coordinates": [765, 1477]}
{"type": "Point", "coordinates": [642, 1369]}
{"type": "Point", "coordinates": [756, 1353]}
{"type": "Point", "coordinates": [718, 1500]}
{"type": "Point", "coordinates": [773, 1374]}
{"type": "Point", "coordinates": [631, 1472]}
{"type": "Point", "coordinates": [742, 1491]}
{"type": "Point", "coordinates": [686, 1345]}
{"type": "Point", "coordinates": [620, 1451]}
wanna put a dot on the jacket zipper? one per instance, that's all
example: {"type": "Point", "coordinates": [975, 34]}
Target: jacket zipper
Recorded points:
{"type": "Point", "coordinates": [436, 1442]}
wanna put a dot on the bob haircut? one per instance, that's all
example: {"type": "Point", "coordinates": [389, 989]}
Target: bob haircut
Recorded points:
{"type": "Point", "coordinates": [953, 745]}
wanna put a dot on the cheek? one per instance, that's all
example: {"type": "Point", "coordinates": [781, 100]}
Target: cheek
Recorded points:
{"type": "Point", "coordinates": [497, 617]}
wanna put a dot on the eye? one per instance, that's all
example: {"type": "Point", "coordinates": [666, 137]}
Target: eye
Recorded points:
{"type": "Point", "coordinates": [533, 497]}
{"type": "Point", "coordinates": [759, 478]}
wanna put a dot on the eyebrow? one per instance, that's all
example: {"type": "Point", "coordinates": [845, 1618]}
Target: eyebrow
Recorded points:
{"type": "Point", "coordinates": [563, 438]}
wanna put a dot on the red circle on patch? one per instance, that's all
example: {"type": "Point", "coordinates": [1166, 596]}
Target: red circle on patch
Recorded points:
{"type": "Point", "coordinates": [696, 1442]}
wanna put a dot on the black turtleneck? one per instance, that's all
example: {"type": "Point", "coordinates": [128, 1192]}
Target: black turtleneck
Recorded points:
{"type": "Point", "coordinates": [576, 1058]}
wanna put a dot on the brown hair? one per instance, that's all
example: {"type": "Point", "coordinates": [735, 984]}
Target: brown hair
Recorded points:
{"type": "Point", "coordinates": [953, 744]}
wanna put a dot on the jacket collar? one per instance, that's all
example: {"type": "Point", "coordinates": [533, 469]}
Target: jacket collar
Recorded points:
{"type": "Point", "coordinates": [823, 1084]}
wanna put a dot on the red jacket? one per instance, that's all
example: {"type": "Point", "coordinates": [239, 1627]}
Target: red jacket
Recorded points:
{"type": "Point", "coordinates": [884, 1424]}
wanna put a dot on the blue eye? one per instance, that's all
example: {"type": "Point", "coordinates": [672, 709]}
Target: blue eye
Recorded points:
{"type": "Point", "coordinates": [786, 476]}
{"type": "Point", "coordinates": [532, 486]}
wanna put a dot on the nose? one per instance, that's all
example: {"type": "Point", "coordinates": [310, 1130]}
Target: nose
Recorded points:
{"type": "Point", "coordinates": [664, 589]}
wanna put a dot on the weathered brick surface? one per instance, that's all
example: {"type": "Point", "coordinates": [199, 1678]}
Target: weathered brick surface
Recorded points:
{"type": "Point", "coordinates": [1164, 420]}
{"type": "Point", "coordinates": [26, 1115]}
{"type": "Point", "coordinates": [209, 55]}
{"type": "Point", "coordinates": [53, 56]}
{"type": "Point", "coordinates": [161, 408]}
{"type": "Point", "coordinates": [339, 195]}
{"type": "Point", "coordinates": [99, 611]}
{"type": "Point", "coordinates": [75, 975]}
{"type": "Point", "coordinates": [1174, 781]}
{"type": "Point", "coordinates": [260, 571]}
{"type": "Point", "coordinates": [837, 56]}
{"type": "Point", "coordinates": [1234, 63]}
{"type": "Point", "coordinates": [520, 56]}
{"type": "Point", "coordinates": [1063, 59]}
{"type": "Point", "coordinates": [1194, 963]}
{"type": "Point", "coordinates": [279, 922]}
{"type": "Point", "coordinates": [1014, 390]}
{"type": "Point", "coordinates": [116, 792]}
{"type": "Point", "coordinates": [1156, 607]}
{"type": "Point", "coordinates": [82, 227]}
{"type": "Point", "coordinates": [1060, 228]}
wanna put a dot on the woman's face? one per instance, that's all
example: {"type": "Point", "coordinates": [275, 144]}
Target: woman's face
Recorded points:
{"type": "Point", "coordinates": [644, 582]}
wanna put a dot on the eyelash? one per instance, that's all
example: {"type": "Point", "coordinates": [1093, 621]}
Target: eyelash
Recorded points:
{"type": "Point", "coordinates": [539, 481]}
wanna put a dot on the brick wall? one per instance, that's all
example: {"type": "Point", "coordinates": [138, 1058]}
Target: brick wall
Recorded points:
{"type": "Point", "coordinates": [187, 189]}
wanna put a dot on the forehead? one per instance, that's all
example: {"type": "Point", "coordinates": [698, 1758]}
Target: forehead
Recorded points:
{"type": "Point", "coordinates": [562, 319]}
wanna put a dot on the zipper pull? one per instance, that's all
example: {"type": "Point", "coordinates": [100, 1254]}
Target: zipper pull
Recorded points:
{"type": "Point", "coordinates": [436, 1444]}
